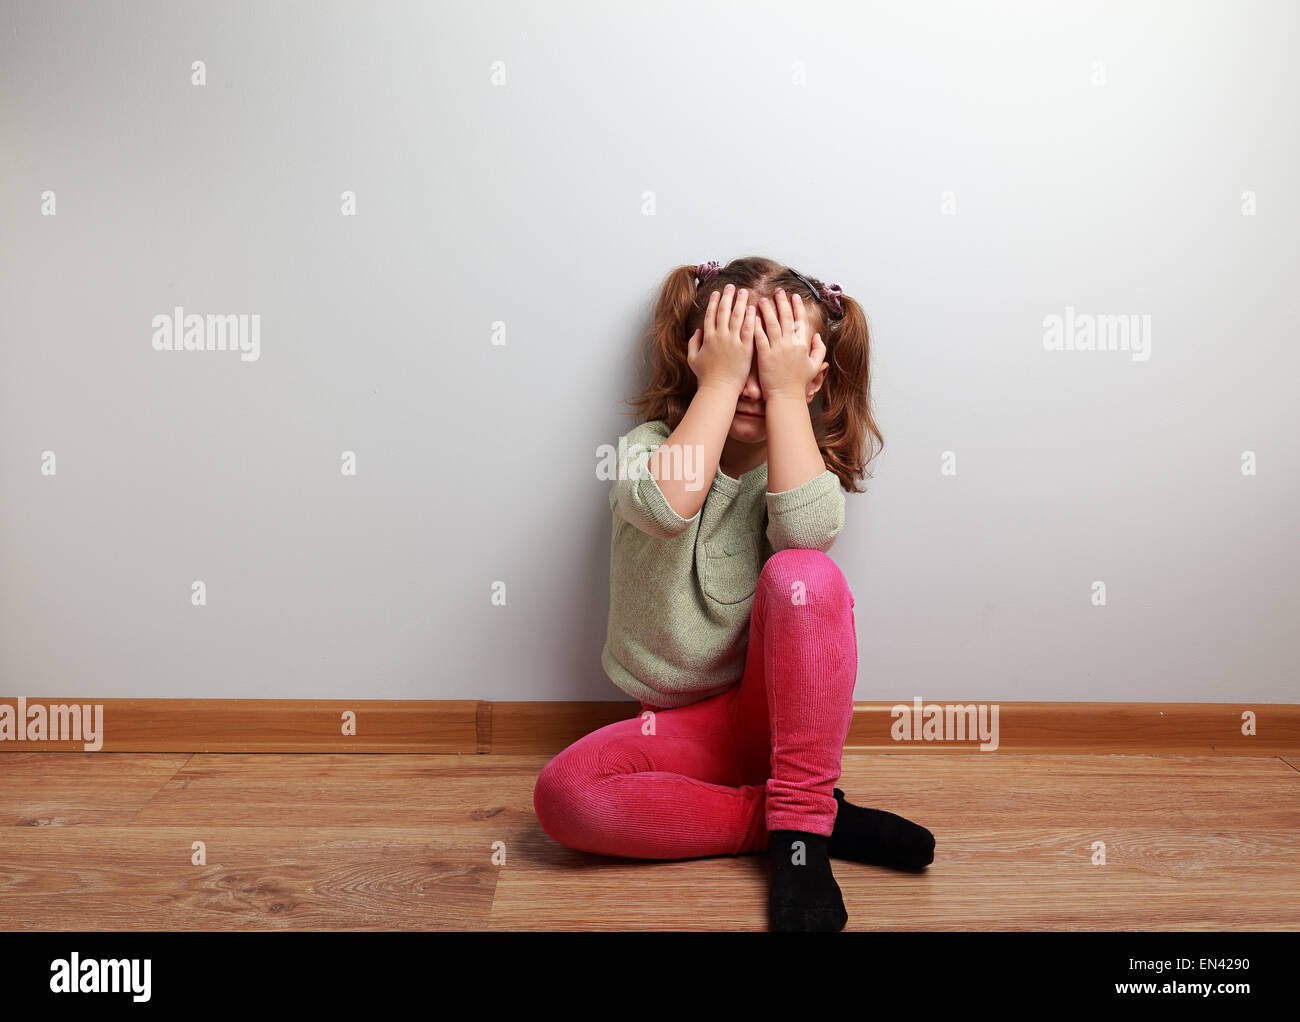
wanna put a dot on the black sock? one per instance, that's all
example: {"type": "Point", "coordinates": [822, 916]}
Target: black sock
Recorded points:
{"type": "Point", "coordinates": [805, 895]}
{"type": "Point", "coordinates": [879, 838]}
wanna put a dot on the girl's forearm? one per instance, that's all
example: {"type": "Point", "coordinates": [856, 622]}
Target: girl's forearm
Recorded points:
{"type": "Point", "coordinates": [692, 451]}
{"type": "Point", "coordinates": [793, 457]}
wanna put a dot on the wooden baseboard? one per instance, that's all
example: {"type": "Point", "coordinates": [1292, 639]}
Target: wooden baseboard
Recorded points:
{"type": "Point", "coordinates": [544, 728]}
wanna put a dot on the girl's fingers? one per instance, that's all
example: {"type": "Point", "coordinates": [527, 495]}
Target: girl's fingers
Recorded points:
{"type": "Point", "coordinates": [747, 328]}
{"type": "Point", "coordinates": [738, 313]}
{"type": "Point", "coordinates": [784, 312]}
{"type": "Point", "coordinates": [711, 312]}
{"type": "Point", "coordinates": [724, 308]}
{"type": "Point", "coordinates": [778, 327]}
{"type": "Point", "coordinates": [800, 313]}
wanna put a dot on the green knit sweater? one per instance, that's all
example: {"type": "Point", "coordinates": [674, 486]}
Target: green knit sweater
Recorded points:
{"type": "Point", "coordinates": [680, 590]}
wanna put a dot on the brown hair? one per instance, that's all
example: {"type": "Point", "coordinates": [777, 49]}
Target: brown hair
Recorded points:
{"type": "Point", "coordinates": [846, 433]}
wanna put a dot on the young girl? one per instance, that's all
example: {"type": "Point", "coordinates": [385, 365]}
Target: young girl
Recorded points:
{"type": "Point", "coordinates": [727, 619]}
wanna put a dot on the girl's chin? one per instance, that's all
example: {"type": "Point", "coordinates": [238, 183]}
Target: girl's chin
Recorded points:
{"type": "Point", "coordinates": [743, 428]}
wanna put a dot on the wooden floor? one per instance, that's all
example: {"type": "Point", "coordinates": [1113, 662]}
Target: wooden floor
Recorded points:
{"type": "Point", "coordinates": [103, 841]}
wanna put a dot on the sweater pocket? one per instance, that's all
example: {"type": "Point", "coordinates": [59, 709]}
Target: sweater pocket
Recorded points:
{"type": "Point", "coordinates": [729, 569]}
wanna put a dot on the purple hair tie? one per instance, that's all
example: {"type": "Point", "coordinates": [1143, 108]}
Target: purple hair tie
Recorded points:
{"type": "Point", "coordinates": [831, 296]}
{"type": "Point", "coordinates": [707, 271]}
{"type": "Point", "coordinates": [828, 293]}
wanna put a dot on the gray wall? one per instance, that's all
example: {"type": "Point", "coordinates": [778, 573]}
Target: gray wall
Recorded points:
{"type": "Point", "coordinates": [1096, 156]}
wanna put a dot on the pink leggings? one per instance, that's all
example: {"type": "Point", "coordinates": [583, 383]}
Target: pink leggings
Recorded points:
{"type": "Point", "coordinates": [716, 775]}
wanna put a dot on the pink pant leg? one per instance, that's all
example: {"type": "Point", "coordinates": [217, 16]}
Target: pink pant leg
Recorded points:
{"type": "Point", "coordinates": [676, 793]}
{"type": "Point", "coordinates": [797, 694]}
{"type": "Point", "coordinates": [716, 775]}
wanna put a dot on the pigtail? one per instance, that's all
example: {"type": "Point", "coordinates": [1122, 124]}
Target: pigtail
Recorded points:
{"type": "Point", "coordinates": [672, 383]}
{"type": "Point", "coordinates": [847, 433]}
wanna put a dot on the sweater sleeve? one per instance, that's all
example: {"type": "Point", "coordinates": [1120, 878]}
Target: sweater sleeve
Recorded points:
{"type": "Point", "coordinates": [635, 495]}
{"type": "Point", "coordinates": [809, 517]}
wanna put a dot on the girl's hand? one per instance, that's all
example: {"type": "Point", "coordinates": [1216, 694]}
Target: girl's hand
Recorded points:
{"type": "Point", "coordinates": [723, 358]}
{"type": "Point", "coordinates": [786, 361]}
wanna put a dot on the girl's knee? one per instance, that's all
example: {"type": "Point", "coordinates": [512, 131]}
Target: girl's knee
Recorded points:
{"type": "Point", "coordinates": [568, 797]}
{"type": "Point", "coordinates": [805, 576]}
{"type": "Point", "coordinates": [554, 798]}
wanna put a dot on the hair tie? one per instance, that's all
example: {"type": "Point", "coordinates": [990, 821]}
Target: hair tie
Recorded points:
{"type": "Point", "coordinates": [831, 296]}
{"type": "Point", "coordinates": [707, 271]}
{"type": "Point", "coordinates": [828, 293]}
